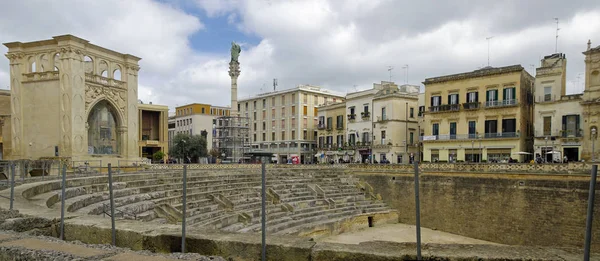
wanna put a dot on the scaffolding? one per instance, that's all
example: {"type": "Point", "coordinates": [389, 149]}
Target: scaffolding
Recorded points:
{"type": "Point", "coordinates": [230, 138]}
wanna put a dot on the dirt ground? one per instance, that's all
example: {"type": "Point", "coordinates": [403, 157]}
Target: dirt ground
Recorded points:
{"type": "Point", "coordinates": [401, 233]}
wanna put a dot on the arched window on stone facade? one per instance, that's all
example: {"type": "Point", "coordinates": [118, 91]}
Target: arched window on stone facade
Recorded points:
{"type": "Point", "coordinates": [56, 61]}
{"type": "Point", "coordinates": [117, 74]}
{"type": "Point", "coordinates": [88, 64]}
{"type": "Point", "coordinates": [43, 62]}
{"type": "Point", "coordinates": [103, 137]}
{"type": "Point", "coordinates": [32, 67]}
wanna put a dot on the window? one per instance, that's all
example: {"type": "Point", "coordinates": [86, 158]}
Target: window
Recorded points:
{"type": "Point", "coordinates": [547, 93]}
{"type": "Point", "coordinates": [472, 97]}
{"type": "Point", "coordinates": [491, 95]}
{"type": "Point", "coordinates": [453, 130]}
{"type": "Point", "coordinates": [293, 122]}
{"type": "Point", "coordinates": [264, 114]}
{"type": "Point", "coordinates": [254, 137]}
{"type": "Point", "coordinates": [102, 131]}
{"type": "Point", "coordinates": [316, 100]}
{"type": "Point", "coordinates": [305, 123]}
{"type": "Point", "coordinates": [453, 98]}
{"type": "Point", "coordinates": [382, 137]}
{"type": "Point", "coordinates": [305, 135]}
{"type": "Point", "coordinates": [547, 126]}
{"type": "Point", "coordinates": [264, 136]}
{"type": "Point", "coordinates": [383, 115]}
{"type": "Point", "coordinates": [321, 120]}
{"type": "Point", "coordinates": [509, 127]}
{"type": "Point", "coordinates": [436, 101]}
{"type": "Point", "coordinates": [264, 103]}
{"type": "Point", "coordinates": [304, 98]}
{"type": "Point", "coordinates": [436, 129]}
{"type": "Point", "coordinates": [329, 123]}
{"type": "Point", "coordinates": [305, 110]}
{"type": "Point", "coordinates": [570, 125]}
{"type": "Point", "coordinates": [321, 142]}
{"type": "Point", "coordinates": [293, 110]}
{"type": "Point", "coordinates": [366, 108]}
{"type": "Point", "coordinates": [352, 139]}
{"type": "Point", "coordinates": [293, 135]}
{"type": "Point", "coordinates": [283, 123]}
{"type": "Point", "coordinates": [272, 136]}
{"type": "Point", "coordinates": [282, 111]}
{"type": "Point", "coordinates": [339, 122]}
{"type": "Point", "coordinates": [264, 125]}
{"type": "Point", "coordinates": [352, 112]}
{"type": "Point", "coordinates": [411, 138]}
{"type": "Point", "coordinates": [254, 116]}
{"type": "Point", "coordinates": [255, 126]}
{"type": "Point", "coordinates": [472, 129]}
{"type": "Point", "coordinates": [293, 98]}
{"type": "Point", "coordinates": [339, 140]}
{"type": "Point", "coordinates": [315, 111]}
{"type": "Point", "coordinates": [273, 124]}
{"type": "Point", "coordinates": [273, 113]}
{"type": "Point", "coordinates": [283, 135]}
{"type": "Point", "coordinates": [272, 101]}
{"type": "Point", "coordinates": [412, 112]}
{"type": "Point", "coordinates": [509, 94]}
{"type": "Point", "coordinates": [246, 106]}
{"type": "Point", "coordinates": [491, 128]}
{"type": "Point", "coordinates": [329, 141]}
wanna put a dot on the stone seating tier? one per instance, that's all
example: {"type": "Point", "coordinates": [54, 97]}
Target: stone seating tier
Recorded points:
{"type": "Point", "coordinates": [220, 200]}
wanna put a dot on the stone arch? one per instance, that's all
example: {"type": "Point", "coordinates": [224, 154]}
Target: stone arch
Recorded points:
{"type": "Point", "coordinates": [32, 65]}
{"type": "Point", "coordinates": [88, 64]}
{"type": "Point", "coordinates": [595, 78]}
{"type": "Point", "coordinates": [43, 62]}
{"type": "Point", "coordinates": [56, 61]}
{"type": "Point", "coordinates": [103, 68]}
{"type": "Point", "coordinates": [103, 123]}
{"type": "Point", "coordinates": [117, 73]}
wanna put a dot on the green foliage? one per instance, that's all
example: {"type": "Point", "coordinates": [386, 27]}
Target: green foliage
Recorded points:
{"type": "Point", "coordinates": [189, 146]}
{"type": "Point", "coordinates": [159, 155]}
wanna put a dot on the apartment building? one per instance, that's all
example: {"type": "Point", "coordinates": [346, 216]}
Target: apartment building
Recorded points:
{"type": "Point", "coordinates": [198, 119]}
{"type": "Point", "coordinates": [332, 144]}
{"type": "Point", "coordinates": [395, 135]}
{"type": "Point", "coordinates": [591, 102]}
{"type": "Point", "coordinates": [483, 115]}
{"type": "Point", "coordinates": [153, 129]}
{"type": "Point", "coordinates": [557, 117]}
{"type": "Point", "coordinates": [285, 122]}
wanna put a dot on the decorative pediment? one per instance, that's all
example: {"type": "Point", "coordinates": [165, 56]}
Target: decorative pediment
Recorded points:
{"type": "Point", "coordinates": [117, 97]}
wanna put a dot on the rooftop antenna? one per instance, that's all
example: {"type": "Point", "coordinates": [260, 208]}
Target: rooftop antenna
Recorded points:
{"type": "Point", "coordinates": [390, 68]}
{"type": "Point", "coordinates": [488, 42]}
{"type": "Point", "coordinates": [274, 83]}
{"type": "Point", "coordinates": [556, 40]}
{"type": "Point", "coordinates": [405, 73]}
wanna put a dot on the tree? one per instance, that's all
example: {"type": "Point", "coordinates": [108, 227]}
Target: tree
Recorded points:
{"type": "Point", "coordinates": [189, 147]}
{"type": "Point", "coordinates": [159, 155]}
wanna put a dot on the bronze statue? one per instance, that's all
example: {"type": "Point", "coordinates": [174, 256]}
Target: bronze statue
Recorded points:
{"type": "Point", "coordinates": [235, 52]}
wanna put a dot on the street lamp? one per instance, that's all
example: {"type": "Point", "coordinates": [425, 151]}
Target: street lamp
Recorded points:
{"type": "Point", "coordinates": [183, 151]}
{"type": "Point", "coordinates": [593, 144]}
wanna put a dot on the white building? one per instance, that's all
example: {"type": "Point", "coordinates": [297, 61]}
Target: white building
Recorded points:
{"type": "Point", "coordinates": [285, 122]}
{"type": "Point", "coordinates": [557, 116]}
{"type": "Point", "coordinates": [197, 119]}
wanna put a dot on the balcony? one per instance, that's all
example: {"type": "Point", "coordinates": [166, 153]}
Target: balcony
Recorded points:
{"type": "Point", "coordinates": [339, 126]}
{"type": "Point", "coordinates": [470, 136]}
{"type": "Point", "coordinates": [321, 126]}
{"type": "Point", "coordinates": [445, 108]}
{"type": "Point", "coordinates": [351, 117]}
{"type": "Point", "coordinates": [365, 115]}
{"type": "Point", "coordinates": [471, 105]}
{"type": "Point", "coordinates": [547, 98]}
{"type": "Point", "coordinates": [504, 103]}
{"type": "Point", "coordinates": [571, 133]}
{"type": "Point", "coordinates": [382, 118]}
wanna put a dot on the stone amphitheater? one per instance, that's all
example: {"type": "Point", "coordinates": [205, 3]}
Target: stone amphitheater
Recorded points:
{"type": "Point", "coordinates": [304, 205]}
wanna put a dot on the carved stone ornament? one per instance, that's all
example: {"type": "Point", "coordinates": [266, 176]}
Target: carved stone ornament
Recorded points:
{"type": "Point", "coordinates": [116, 96]}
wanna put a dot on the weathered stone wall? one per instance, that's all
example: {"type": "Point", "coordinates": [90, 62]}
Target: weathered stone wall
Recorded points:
{"type": "Point", "coordinates": [525, 209]}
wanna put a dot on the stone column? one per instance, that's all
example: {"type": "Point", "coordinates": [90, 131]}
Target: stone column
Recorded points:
{"type": "Point", "coordinates": [234, 73]}
{"type": "Point", "coordinates": [16, 70]}
{"type": "Point", "coordinates": [132, 114]}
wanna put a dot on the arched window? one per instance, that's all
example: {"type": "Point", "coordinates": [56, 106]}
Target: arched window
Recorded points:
{"type": "Point", "coordinates": [117, 74]}
{"type": "Point", "coordinates": [43, 62]}
{"type": "Point", "coordinates": [88, 64]}
{"type": "Point", "coordinates": [102, 129]}
{"type": "Point", "coordinates": [56, 61]}
{"type": "Point", "coordinates": [103, 68]}
{"type": "Point", "coordinates": [32, 67]}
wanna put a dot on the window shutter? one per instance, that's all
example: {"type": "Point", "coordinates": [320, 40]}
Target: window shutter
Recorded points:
{"type": "Point", "coordinates": [514, 93]}
{"type": "Point", "coordinates": [487, 95]}
{"type": "Point", "coordinates": [505, 94]}
{"type": "Point", "coordinates": [576, 123]}
{"type": "Point", "coordinates": [457, 99]}
{"type": "Point", "coordinates": [564, 122]}
{"type": "Point", "coordinates": [449, 98]}
{"type": "Point", "coordinates": [432, 101]}
{"type": "Point", "coordinates": [477, 96]}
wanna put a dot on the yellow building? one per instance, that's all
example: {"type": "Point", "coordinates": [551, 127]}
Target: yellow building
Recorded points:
{"type": "Point", "coordinates": [591, 102]}
{"type": "Point", "coordinates": [153, 129]}
{"type": "Point", "coordinates": [331, 131]}
{"type": "Point", "coordinates": [483, 115]}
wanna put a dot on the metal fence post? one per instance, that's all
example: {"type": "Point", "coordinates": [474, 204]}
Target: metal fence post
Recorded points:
{"type": "Point", "coordinates": [264, 213]}
{"type": "Point", "coordinates": [590, 214]}
{"type": "Point", "coordinates": [112, 205]}
{"type": "Point", "coordinates": [184, 209]}
{"type": "Point", "coordinates": [418, 210]}
{"type": "Point", "coordinates": [12, 184]}
{"type": "Point", "coordinates": [62, 203]}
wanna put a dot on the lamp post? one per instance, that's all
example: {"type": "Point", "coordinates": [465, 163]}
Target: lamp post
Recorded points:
{"type": "Point", "coordinates": [593, 144]}
{"type": "Point", "coordinates": [183, 151]}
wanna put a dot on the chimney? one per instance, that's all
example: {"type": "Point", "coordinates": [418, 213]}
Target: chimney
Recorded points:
{"type": "Point", "coordinates": [589, 44]}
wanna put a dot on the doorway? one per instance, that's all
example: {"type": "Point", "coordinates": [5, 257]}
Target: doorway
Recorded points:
{"type": "Point", "coordinates": [572, 154]}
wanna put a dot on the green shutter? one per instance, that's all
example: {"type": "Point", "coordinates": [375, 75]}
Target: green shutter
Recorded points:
{"type": "Point", "coordinates": [514, 93]}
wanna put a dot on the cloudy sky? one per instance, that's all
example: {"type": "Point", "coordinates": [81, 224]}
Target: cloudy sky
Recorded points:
{"type": "Point", "coordinates": [342, 45]}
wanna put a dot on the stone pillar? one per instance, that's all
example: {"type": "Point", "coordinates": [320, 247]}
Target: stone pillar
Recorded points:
{"type": "Point", "coordinates": [234, 73]}
{"type": "Point", "coordinates": [17, 67]}
{"type": "Point", "coordinates": [132, 121]}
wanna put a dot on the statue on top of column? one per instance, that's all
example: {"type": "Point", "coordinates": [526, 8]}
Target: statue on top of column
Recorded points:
{"type": "Point", "coordinates": [235, 52]}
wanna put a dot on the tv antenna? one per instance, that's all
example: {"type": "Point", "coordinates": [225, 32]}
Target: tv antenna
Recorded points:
{"type": "Point", "coordinates": [405, 73]}
{"type": "Point", "coordinates": [274, 83]}
{"type": "Point", "coordinates": [556, 40]}
{"type": "Point", "coordinates": [390, 68]}
{"type": "Point", "coordinates": [488, 42]}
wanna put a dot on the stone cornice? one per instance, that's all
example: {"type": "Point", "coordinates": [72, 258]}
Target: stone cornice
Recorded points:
{"type": "Point", "coordinates": [477, 73]}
